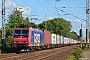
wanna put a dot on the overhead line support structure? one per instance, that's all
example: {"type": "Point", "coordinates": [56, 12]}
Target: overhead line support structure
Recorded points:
{"type": "Point", "coordinates": [87, 24]}
{"type": "Point", "coordinates": [3, 26]}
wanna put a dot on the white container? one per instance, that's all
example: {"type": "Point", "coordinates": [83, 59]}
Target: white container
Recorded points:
{"type": "Point", "coordinates": [53, 38]}
{"type": "Point", "coordinates": [70, 41]}
{"type": "Point", "coordinates": [62, 39]}
{"type": "Point", "coordinates": [58, 39]}
{"type": "Point", "coordinates": [79, 41]}
{"type": "Point", "coordinates": [67, 40]}
{"type": "Point", "coordinates": [75, 42]}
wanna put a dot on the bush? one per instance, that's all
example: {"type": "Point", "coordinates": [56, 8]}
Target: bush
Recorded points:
{"type": "Point", "coordinates": [77, 54]}
{"type": "Point", "coordinates": [8, 46]}
{"type": "Point", "coordinates": [71, 58]}
{"type": "Point", "coordinates": [0, 51]}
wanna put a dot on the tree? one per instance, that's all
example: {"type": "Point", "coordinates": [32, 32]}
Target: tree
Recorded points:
{"type": "Point", "coordinates": [74, 35]}
{"type": "Point", "coordinates": [59, 26]}
{"type": "Point", "coordinates": [15, 20]}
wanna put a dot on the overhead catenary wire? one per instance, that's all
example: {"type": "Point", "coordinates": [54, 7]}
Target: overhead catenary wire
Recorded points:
{"type": "Point", "coordinates": [56, 9]}
{"type": "Point", "coordinates": [30, 6]}
{"type": "Point", "coordinates": [53, 7]}
{"type": "Point", "coordinates": [78, 4]}
{"type": "Point", "coordinates": [12, 5]}
{"type": "Point", "coordinates": [71, 14]}
{"type": "Point", "coordinates": [16, 6]}
{"type": "Point", "coordinates": [21, 6]}
{"type": "Point", "coordinates": [45, 7]}
{"type": "Point", "coordinates": [71, 7]}
{"type": "Point", "coordinates": [49, 4]}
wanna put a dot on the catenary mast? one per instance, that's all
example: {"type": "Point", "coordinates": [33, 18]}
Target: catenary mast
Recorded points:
{"type": "Point", "coordinates": [3, 25]}
{"type": "Point", "coordinates": [87, 23]}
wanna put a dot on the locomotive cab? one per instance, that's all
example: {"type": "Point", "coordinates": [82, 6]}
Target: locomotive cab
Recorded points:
{"type": "Point", "coordinates": [20, 38]}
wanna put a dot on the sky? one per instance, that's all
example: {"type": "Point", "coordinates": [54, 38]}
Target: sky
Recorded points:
{"type": "Point", "coordinates": [71, 10]}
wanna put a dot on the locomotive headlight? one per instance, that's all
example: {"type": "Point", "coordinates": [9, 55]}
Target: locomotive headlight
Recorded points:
{"type": "Point", "coordinates": [15, 42]}
{"type": "Point", "coordinates": [26, 42]}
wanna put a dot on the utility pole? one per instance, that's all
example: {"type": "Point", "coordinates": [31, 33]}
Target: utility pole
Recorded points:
{"type": "Point", "coordinates": [87, 23]}
{"type": "Point", "coordinates": [3, 26]}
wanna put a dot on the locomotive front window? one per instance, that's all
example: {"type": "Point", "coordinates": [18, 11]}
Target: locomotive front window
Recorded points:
{"type": "Point", "coordinates": [22, 33]}
{"type": "Point", "coordinates": [17, 32]}
{"type": "Point", "coordinates": [25, 32]}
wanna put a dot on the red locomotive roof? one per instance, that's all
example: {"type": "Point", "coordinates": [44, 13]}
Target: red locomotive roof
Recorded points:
{"type": "Point", "coordinates": [20, 28]}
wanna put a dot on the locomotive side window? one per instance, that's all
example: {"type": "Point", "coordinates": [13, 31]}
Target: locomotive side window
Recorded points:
{"type": "Point", "coordinates": [22, 33]}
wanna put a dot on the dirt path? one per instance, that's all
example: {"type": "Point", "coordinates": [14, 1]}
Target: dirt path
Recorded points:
{"type": "Point", "coordinates": [86, 55]}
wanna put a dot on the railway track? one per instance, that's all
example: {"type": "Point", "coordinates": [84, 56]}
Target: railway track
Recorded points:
{"type": "Point", "coordinates": [50, 54]}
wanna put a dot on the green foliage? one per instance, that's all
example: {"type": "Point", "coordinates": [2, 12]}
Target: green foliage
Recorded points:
{"type": "Point", "coordinates": [83, 46]}
{"type": "Point", "coordinates": [8, 41]}
{"type": "Point", "coordinates": [74, 35]}
{"type": "Point", "coordinates": [0, 51]}
{"type": "Point", "coordinates": [59, 26]}
{"type": "Point", "coordinates": [15, 20]}
{"type": "Point", "coordinates": [71, 58]}
{"type": "Point", "coordinates": [56, 26]}
{"type": "Point", "coordinates": [77, 54]}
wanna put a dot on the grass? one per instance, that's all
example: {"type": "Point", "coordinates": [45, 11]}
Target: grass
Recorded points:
{"type": "Point", "coordinates": [76, 55]}
{"type": "Point", "coordinates": [71, 58]}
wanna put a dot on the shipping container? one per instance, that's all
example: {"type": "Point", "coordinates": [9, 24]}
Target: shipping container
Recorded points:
{"type": "Point", "coordinates": [75, 41]}
{"type": "Point", "coordinates": [70, 41]}
{"type": "Point", "coordinates": [53, 38]}
{"type": "Point", "coordinates": [66, 40]}
{"type": "Point", "coordinates": [37, 37]}
{"type": "Point", "coordinates": [47, 37]}
{"type": "Point", "coordinates": [62, 39]}
{"type": "Point", "coordinates": [58, 39]}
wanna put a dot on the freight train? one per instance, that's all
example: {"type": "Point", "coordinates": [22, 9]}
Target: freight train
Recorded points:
{"type": "Point", "coordinates": [33, 38]}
